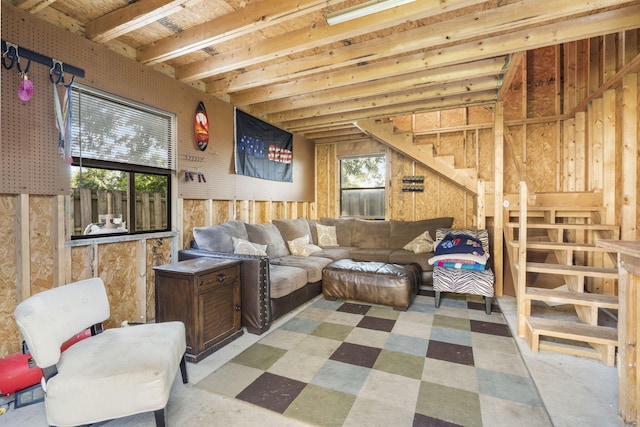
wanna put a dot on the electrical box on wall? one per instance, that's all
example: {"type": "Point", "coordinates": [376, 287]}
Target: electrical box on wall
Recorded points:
{"type": "Point", "coordinates": [412, 183]}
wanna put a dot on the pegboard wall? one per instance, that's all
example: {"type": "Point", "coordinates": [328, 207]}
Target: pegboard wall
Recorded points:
{"type": "Point", "coordinates": [29, 145]}
{"type": "Point", "coordinates": [29, 153]}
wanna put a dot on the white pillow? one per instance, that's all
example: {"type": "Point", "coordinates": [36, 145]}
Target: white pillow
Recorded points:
{"type": "Point", "coordinates": [421, 244]}
{"type": "Point", "coordinates": [241, 246]}
{"type": "Point", "coordinates": [327, 235]}
{"type": "Point", "coordinates": [302, 247]}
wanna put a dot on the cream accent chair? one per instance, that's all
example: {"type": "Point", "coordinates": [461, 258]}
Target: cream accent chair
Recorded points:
{"type": "Point", "coordinates": [112, 374]}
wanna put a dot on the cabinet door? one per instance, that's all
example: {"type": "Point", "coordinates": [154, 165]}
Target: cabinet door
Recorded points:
{"type": "Point", "coordinates": [218, 312]}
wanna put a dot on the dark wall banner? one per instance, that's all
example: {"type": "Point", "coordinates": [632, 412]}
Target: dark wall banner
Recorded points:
{"type": "Point", "coordinates": [262, 150]}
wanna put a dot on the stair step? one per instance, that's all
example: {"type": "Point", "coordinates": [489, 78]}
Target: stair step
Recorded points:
{"type": "Point", "coordinates": [603, 339]}
{"type": "Point", "coordinates": [572, 270]}
{"type": "Point", "coordinates": [570, 297]}
{"type": "Point", "coordinates": [564, 246]}
{"type": "Point", "coordinates": [574, 331]}
{"type": "Point", "coordinates": [556, 226]}
{"type": "Point", "coordinates": [565, 211]}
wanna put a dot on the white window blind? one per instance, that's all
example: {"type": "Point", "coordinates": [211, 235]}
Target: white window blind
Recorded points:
{"type": "Point", "coordinates": [108, 128]}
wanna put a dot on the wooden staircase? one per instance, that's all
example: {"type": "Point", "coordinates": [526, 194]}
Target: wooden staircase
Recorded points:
{"type": "Point", "coordinates": [570, 271]}
{"type": "Point", "coordinates": [403, 141]}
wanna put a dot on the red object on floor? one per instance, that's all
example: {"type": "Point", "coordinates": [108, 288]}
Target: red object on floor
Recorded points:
{"type": "Point", "coordinates": [18, 371]}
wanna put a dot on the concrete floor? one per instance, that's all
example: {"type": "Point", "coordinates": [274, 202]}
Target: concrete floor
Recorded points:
{"type": "Point", "coordinates": [576, 392]}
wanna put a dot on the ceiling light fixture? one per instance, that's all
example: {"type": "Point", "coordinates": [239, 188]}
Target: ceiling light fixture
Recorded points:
{"type": "Point", "coordinates": [365, 9]}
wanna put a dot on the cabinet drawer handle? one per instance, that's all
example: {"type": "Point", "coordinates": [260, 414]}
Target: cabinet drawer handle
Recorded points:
{"type": "Point", "coordinates": [221, 277]}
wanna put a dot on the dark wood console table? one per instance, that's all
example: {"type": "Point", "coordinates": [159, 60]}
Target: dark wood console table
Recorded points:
{"type": "Point", "coordinates": [203, 293]}
{"type": "Point", "coordinates": [628, 328]}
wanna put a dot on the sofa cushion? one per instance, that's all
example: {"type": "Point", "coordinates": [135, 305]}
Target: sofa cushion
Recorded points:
{"type": "Point", "coordinates": [302, 247]}
{"type": "Point", "coordinates": [312, 265]}
{"type": "Point", "coordinates": [401, 256]}
{"type": "Point", "coordinates": [245, 247]}
{"type": "Point", "coordinates": [285, 279]}
{"type": "Point", "coordinates": [371, 234]}
{"type": "Point", "coordinates": [402, 232]}
{"type": "Point", "coordinates": [268, 234]}
{"type": "Point", "coordinates": [218, 238]}
{"type": "Point", "coordinates": [327, 235]}
{"type": "Point", "coordinates": [336, 253]}
{"type": "Point", "coordinates": [421, 244]}
{"type": "Point", "coordinates": [291, 229]}
{"type": "Point", "coordinates": [375, 255]}
{"type": "Point", "coordinates": [344, 229]}
{"type": "Point", "coordinates": [314, 230]}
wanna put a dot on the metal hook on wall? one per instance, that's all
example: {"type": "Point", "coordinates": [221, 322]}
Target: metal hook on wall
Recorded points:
{"type": "Point", "coordinates": [57, 70]}
{"type": "Point", "coordinates": [11, 53]}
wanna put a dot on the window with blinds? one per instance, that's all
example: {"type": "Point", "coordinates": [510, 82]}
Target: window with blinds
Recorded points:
{"type": "Point", "coordinates": [122, 161]}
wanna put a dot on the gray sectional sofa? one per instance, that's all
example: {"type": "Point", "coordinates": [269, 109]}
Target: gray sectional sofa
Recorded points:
{"type": "Point", "coordinates": [273, 281]}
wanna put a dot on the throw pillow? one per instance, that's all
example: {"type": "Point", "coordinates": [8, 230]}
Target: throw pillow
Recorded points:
{"type": "Point", "coordinates": [245, 247]}
{"type": "Point", "coordinates": [302, 247]}
{"type": "Point", "coordinates": [421, 244]}
{"type": "Point", "coordinates": [327, 235]}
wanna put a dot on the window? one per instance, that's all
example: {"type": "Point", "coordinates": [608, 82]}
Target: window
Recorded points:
{"type": "Point", "coordinates": [122, 155]}
{"type": "Point", "coordinates": [362, 189]}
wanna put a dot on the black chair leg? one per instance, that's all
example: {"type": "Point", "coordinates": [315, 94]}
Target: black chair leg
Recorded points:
{"type": "Point", "coordinates": [437, 299]}
{"type": "Point", "coordinates": [183, 370]}
{"type": "Point", "coordinates": [487, 302]}
{"type": "Point", "coordinates": [159, 414]}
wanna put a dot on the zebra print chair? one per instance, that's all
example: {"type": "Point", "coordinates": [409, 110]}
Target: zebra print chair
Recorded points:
{"type": "Point", "coordinates": [475, 282]}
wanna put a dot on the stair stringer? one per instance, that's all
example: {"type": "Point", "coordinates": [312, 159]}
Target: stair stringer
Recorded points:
{"type": "Point", "coordinates": [403, 142]}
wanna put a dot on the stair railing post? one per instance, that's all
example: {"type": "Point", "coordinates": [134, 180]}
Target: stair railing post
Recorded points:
{"type": "Point", "coordinates": [522, 259]}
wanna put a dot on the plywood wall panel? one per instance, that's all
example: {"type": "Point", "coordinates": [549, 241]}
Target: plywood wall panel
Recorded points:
{"type": "Point", "coordinates": [119, 273]}
{"type": "Point", "coordinates": [402, 203]}
{"type": "Point", "coordinates": [83, 263]}
{"type": "Point", "coordinates": [479, 115]}
{"type": "Point", "coordinates": [11, 338]}
{"type": "Point", "coordinates": [542, 77]}
{"type": "Point", "coordinates": [429, 120]}
{"type": "Point", "coordinates": [454, 117]}
{"type": "Point", "coordinates": [485, 154]}
{"type": "Point", "coordinates": [514, 98]}
{"type": "Point", "coordinates": [158, 252]}
{"type": "Point", "coordinates": [452, 202]}
{"type": "Point", "coordinates": [222, 211]}
{"type": "Point", "coordinates": [427, 203]}
{"type": "Point", "coordinates": [193, 216]}
{"type": "Point", "coordinates": [41, 243]}
{"type": "Point", "coordinates": [511, 179]}
{"type": "Point", "coordinates": [541, 161]}
{"type": "Point", "coordinates": [453, 144]}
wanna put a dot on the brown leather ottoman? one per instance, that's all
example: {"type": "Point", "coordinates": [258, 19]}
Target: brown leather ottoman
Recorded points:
{"type": "Point", "coordinates": [374, 282]}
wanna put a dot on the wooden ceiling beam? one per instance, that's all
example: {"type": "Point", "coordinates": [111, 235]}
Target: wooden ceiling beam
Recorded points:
{"type": "Point", "coordinates": [33, 6]}
{"type": "Point", "coordinates": [255, 17]}
{"type": "Point", "coordinates": [551, 34]}
{"type": "Point", "coordinates": [415, 81]}
{"type": "Point", "coordinates": [316, 35]}
{"type": "Point", "coordinates": [381, 100]}
{"type": "Point", "coordinates": [425, 105]}
{"type": "Point", "coordinates": [481, 23]}
{"type": "Point", "coordinates": [129, 18]}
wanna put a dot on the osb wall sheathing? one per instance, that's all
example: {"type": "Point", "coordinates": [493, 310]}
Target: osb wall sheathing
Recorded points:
{"type": "Point", "coordinates": [83, 262]}
{"type": "Point", "coordinates": [40, 243]}
{"type": "Point", "coordinates": [120, 274]}
{"type": "Point", "coordinates": [193, 215]}
{"type": "Point", "coordinates": [10, 342]}
{"type": "Point", "coordinates": [158, 252]}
